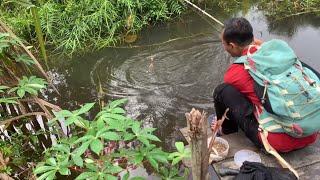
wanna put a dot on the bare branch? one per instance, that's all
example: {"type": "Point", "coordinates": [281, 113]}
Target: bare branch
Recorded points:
{"type": "Point", "coordinates": [8, 121]}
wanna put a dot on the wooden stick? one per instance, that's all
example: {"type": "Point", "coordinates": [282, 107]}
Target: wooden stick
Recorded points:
{"type": "Point", "coordinates": [205, 13]}
{"type": "Point", "coordinates": [215, 131]}
{"type": "Point", "coordinates": [198, 125]}
{"type": "Point", "coordinates": [21, 116]}
{"type": "Point", "coordinates": [272, 151]}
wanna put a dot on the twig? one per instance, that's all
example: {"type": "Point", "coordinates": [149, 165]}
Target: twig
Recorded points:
{"type": "Point", "coordinates": [10, 72]}
{"type": "Point", "coordinates": [21, 116]}
{"type": "Point", "coordinates": [46, 111]}
{"type": "Point", "coordinates": [204, 12]}
{"type": "Point", "coordinates": [52, 106]}
{"type": "Point", "coordinates": [215, 131]}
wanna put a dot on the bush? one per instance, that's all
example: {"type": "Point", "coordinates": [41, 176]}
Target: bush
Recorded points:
{"type": "Point", "coordinates": [106, 146]}
{"type": "Point", "coordinates": [81, 25]}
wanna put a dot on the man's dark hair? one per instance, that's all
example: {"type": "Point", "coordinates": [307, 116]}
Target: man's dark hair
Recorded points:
{"type": "Point", "coordinates": [238, 31]}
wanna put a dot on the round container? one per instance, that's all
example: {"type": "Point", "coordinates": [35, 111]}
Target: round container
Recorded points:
{"type": "Point", "coordinates": [221, 155]}
{"type": "Point", "coordinates": [246, 155]}
{"type": "Point", "coordinates": [213, 156]}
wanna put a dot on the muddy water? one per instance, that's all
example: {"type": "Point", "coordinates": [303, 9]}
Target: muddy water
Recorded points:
{"type": "Point", "coordinates": [171, 68]}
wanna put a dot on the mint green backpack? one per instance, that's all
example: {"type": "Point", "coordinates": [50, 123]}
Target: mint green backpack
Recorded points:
{"type": "Point", "coordinates": [289, 92]}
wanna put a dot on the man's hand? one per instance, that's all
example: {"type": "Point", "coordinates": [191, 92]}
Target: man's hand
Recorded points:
{"type": "Point", "coordinates": [216, 126]}
{"type": "Point", "coordinates": [257, 42]}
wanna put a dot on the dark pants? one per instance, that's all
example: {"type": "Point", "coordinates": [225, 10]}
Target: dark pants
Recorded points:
{"type": "Point", "coordinates": [240, 112]}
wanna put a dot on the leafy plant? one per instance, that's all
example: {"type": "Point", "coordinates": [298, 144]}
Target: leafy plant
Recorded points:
{"type": "Point", "coordinates": [24, 59]}
{"type": "Point", "coordinates": [5, 42]}
{"type": "Point", "coordinates": [182, 153]}
{"type": "Point", "coordinates": [29, 85]}
{"type": "Point", "coordinates": [2, 88]}
{"type": "Point", "coordinates": [173, 173]}
{"type": "Point", "coordinates": [104, 147]}
{"type": "Point", "coordinates": [7, 100]}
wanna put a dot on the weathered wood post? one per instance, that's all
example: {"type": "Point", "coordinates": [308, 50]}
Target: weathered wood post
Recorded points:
{"type": "Point", "coordinates": [197, 127]}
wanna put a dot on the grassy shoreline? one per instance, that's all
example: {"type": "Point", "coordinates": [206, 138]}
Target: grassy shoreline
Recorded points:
{"type": "Point", "coordinates": [83, 26]}
{"type": "Point", "coordinates": [71, 26]}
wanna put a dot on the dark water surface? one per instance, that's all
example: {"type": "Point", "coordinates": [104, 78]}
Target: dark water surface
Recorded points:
{"type": "Point", "coordinates": [171, 68]}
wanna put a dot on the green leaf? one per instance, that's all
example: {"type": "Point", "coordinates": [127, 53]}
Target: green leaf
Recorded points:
{"type": "Point", "coordinates": [128, 136]}
{"type": "Point", "coordinates": [114, 116]}
{"type": "Point", "coordinates": [64, 113]}
{"type": "Point", "coordinates": [180, 146]}
{"type": "Point", "coordinates": [10, 100]}
{"type": "Point", "coordinates": [114, 169]}
{"type": "Point", "coordinates": [92, 167]}
{"type": "Point", "coordinates": [110, 136]}
{"type": "Point", "coordinates": [110, 177]}
{"type": "Point", "coordinates": [176, 160]}
{"type": "Point", "coordinates": [96, 146]}
{"type": "Point", "coordinates": [160, 157]}
{"type": "Point", "coordinates": [84, 108]}
{"type": "Point", "coordinates": [138, 158]}
{"type": "Point", "coordinates": [25, 3]}
{"type": "Point", "coordinates": [48, 175]}
{"type": "Point", "coordinates": [84, 138]}
{"type": "Point", "coordinates": [51, 176]}
{"type": "Point", "coordinates": [152, 137]}
{"type": "Point", "coordinates": [84, 146]}
{"type": "Point", "coordinates": [137, 178]}
{"type": "Point", "coordinates": [62, 148]}
{"type": "Point", "coordinates": [77, 160]}
{"type": "Point", "coordinates": [144, 140]}
{"type": "Point", "coordinates": [174, 154]}
{"type": "Point", "coordinates": [149, 129]}
{"type": "Point", "coordinates": [24, 59]}
{"type": "Point", "coordinates": [100, 124]}
{"type": "Point", "coordinates": [89, 161]}
{"type": "Point", "coordinates": [2, 88]}
{"type": "Point", "coordinates": [117, 103]}
{"type": "Point", "coordinates": [31, 85]}
{"type": "Point", "coordinates": [81, 123]}
{"type": "Point", "coordinates": [126, 176]}
{"type": "Point", "coordinates": [118, 110]}
{"type": "Point", "coordinates": [153, 162]}
{"type": "Point", "coordinates": [136, 128]}
{"type": "Point", "coordinates": [21, 93]}
{"type": "Point", "coordinates": [71, 120]}
{"type": "Point", "coordinates": [87, 175]}
{"type": "Point", "coordinates": [42, 169]}
{"type": "Point", "coordinates": [64, 171]}
{"type": "Point", "coordinates": [51, 161]}
{"type": "Point", "coordinates": [35, 86]}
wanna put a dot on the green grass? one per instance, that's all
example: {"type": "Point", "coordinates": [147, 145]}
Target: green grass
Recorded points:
{"type": "Point", "coordinates": [275, 8]}
{"type": "Point", "coordinates": [83, 25]}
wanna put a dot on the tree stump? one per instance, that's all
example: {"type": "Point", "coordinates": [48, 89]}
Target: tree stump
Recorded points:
{"type": "Point", "coordinates": [197, 127]}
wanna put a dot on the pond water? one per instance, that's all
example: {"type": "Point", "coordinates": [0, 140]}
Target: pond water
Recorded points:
{"type": "Point", "coordinates": [172, 67]}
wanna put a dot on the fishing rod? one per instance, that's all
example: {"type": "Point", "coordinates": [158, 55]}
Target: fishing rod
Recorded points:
{"type": "Point", "coordinates": [204, 12]}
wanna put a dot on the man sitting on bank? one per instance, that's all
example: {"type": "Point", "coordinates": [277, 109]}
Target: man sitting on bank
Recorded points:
{"type": "Point", "coordinates": [267, 89]}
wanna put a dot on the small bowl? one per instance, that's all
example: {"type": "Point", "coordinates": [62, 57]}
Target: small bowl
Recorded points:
{"type": "Point", "coordinates": [213, 156]}
{"type": "Point", "coordinates": [222, 155]}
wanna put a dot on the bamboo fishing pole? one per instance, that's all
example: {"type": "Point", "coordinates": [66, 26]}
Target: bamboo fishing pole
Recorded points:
{"type": "Point", "coordinates": [204, 12]}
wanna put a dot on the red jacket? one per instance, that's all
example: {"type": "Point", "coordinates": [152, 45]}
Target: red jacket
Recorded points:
{"type": "Point", "coordinates": [238, 77]}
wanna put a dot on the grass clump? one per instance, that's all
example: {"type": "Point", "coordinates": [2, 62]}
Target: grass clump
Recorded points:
{"type": "Point", "coordinates": [84, 25]}
{"type": "Point", "coordinates": [277, 8]}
